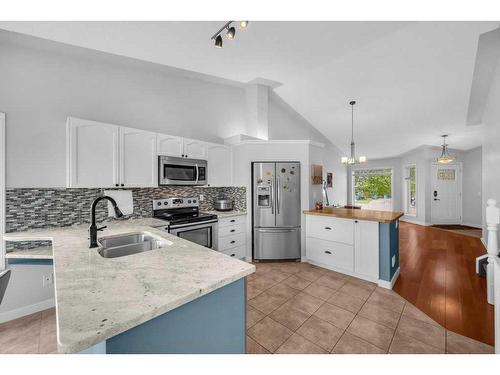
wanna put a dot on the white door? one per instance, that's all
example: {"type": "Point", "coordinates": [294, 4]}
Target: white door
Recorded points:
{"type": "Point", "coordinates": [170, 145]}
{"type": "Point", "coordinates": [219, 165]}
{"type": "Point", "coordinates": [446, 194]}
{"type": "Point", "coordinates": [92, 154]}
{"type": "Point", "coordinates": [195, 149]}
{"type": "Point", "coordinates": [366, 248]}
{"type": "Point", "coordinates": [138, 158]}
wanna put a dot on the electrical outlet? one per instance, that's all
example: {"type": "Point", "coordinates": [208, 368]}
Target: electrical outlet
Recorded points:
{"type": "Point", "coordinates": [47, 279]}
{"type": "Point", "coordinates": [202, 198]}
{"type": "Point", "coordinates": [393, 260]}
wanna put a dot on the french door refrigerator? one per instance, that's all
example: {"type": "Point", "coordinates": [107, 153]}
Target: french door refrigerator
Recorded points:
{"type": "Point", "coordinates": [276, 210]}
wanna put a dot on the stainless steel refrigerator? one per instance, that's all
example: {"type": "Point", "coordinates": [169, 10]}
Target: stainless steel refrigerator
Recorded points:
{"type": "Point", "coordinates": [276, 210]}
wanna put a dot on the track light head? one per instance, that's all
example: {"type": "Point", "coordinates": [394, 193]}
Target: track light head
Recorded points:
{"type": "Point", "coordinates": [243, 24]}
{"type": "Point", "coordinates": [218, 41]}
{"type": "Point", "coordinates": [230, 32]}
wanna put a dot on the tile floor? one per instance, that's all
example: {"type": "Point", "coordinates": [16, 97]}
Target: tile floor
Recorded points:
{"type": "Point", "coordinates": [300, 308]}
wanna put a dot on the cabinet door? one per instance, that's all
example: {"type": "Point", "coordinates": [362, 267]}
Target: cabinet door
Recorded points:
{"type": "Point", "coordinates": [138, 158]}
{"type": "Point", "coordinates": [366, 248]}
{"type": "Point", "coordinates": [92, 154]}
{"type": "Point", "coordinates": [194, 149]}
{"type": "Point", "coordinates": [170, 145]}
{"type": "Point", "coordinates": [219, 165]}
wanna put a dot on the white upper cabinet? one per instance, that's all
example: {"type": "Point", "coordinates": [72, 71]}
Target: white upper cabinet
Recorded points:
{"type": "Point", "coordinates": [219, 165]}
{"type": "Point", "coordinates": [138, 158]}
{"type": "Point", "coordinates": [170, 145]}
{"type": "Point", "coordinates": [92, 156]}
{"type": "Point", "coordinates": [195, 149]}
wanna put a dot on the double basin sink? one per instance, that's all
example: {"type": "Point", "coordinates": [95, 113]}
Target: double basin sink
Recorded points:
{"type": "Point", "coordinates": [129, 243]}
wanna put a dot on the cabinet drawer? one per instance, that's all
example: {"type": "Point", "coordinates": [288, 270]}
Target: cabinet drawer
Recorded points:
{"type": "Point", "coordinates": [330, 229]}
{"type": "Point", "coordinates": [231, 229]}
{"type": "Point", "coordinates": [335, 254]}
{"type": "Point", "coordinates": [233, 220]}
{"type": "Point", "coordinates": [229, 242]}
{"type": "Point", "coordinates": [236, 252]}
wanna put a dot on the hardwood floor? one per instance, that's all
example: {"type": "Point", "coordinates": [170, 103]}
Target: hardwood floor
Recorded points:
{"type": "Point", "coordinates": [438, 276]}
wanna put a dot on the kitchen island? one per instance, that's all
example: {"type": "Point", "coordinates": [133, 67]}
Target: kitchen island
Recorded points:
{"type": "Point", "coordinates": [180, 298]}
{"type": "Point", "coordinates": [357, 242]}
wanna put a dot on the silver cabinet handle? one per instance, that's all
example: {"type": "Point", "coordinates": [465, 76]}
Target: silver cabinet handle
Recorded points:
{"type": "Point", "coordinates": [328, 228]}
{"type": "Point", "coordinates": [328, 252]}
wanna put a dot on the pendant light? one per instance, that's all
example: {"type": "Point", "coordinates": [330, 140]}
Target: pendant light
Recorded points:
{"type": "Point", "coordinates": [353, 159]}
{"type": "Point", "coordinates": [445, 157]}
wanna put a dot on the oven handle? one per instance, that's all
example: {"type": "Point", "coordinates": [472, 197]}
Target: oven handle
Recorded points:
{"type": "Point", "coordinates": [196, 224]}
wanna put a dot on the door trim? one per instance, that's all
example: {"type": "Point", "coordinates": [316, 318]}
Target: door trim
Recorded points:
{"type": "Point", "coordinates": [460, 189]}
{"type": "Point", "coordinates": [2, 189]}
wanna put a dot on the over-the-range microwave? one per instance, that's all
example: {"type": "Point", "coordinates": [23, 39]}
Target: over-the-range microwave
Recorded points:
{"type": "Point", "coordinates": [181, 171]}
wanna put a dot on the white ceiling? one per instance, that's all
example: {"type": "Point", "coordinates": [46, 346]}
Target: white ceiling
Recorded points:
{"type": "Point", "coordinates": [412, 80]}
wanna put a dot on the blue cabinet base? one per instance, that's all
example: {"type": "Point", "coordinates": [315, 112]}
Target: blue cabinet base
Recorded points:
{"type": "Point", "coordinates": [212, 324]}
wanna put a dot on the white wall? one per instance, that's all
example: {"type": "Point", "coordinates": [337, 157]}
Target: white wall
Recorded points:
{"type": "Point", "coordinates": [472, 187]}
{"type": "Point", "coordinates": [491, 145]}
{"type": "Point", "coordinates": [44, 82]}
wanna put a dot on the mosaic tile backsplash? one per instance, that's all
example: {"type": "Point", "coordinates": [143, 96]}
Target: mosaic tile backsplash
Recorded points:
{"type": "Point", "coordinates": [41, 208]}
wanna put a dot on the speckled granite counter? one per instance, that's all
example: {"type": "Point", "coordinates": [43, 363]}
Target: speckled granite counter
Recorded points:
{"type": "Point", "coordinates": [223, 214]}
{"type": "Point", "coordinates": [44, 252]}
{"type": "Point", "coordinates": [98, 298]}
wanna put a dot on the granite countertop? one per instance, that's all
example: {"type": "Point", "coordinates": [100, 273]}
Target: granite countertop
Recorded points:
{"type": "Point", "coordinates": [223, 214]}
{"type": "Point", "coordinates": [98, 298]}
{"type": "Point", "coordinates": [42, 252]}
{"type": "Point", "coordinates": [357, 214]}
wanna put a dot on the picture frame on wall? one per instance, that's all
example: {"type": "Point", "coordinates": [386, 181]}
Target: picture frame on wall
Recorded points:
{"type": "Point", "coordinates": [329, 179]}
{"type": "Point", "coordinates": [316, 174]}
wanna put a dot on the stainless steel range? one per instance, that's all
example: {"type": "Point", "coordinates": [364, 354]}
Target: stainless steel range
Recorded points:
{"type": "Point", "coordinates": [184, 219]}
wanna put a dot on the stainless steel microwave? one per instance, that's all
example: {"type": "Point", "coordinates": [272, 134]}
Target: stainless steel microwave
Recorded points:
{"type": "Point", "coordinates": [181, 171]}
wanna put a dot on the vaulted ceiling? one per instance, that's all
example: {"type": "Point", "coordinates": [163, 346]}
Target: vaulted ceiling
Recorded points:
{"type": "Point", "coordinates": [411, 80]}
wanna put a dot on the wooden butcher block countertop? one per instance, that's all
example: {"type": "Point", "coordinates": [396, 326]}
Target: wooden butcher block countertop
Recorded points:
{"type": "Point", "coordinates": [357, 214]}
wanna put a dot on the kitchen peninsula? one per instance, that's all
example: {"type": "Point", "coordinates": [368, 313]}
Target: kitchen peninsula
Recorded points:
{"type": "Point", "coordinates": [357, 242]}
{"type": "Point", "coordinates": [179, 298]}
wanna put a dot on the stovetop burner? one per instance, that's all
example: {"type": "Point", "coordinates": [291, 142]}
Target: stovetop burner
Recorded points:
{"type": "Point", "coordinates": [180, 211]}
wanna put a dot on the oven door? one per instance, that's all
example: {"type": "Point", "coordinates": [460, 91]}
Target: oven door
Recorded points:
{"type": "Point", "coordinates": [204, 234]}
{"type": "Point", "coordinates": [179, 171]}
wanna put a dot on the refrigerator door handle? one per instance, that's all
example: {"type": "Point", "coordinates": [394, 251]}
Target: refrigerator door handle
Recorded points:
{"type": "Point", "coordinates": [272, 196]}
{"type": "Point", "coordinates": [278, 188]}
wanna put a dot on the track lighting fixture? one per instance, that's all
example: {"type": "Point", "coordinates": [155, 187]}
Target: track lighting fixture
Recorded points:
{"type": "Point", "coordinates": [230, 32]}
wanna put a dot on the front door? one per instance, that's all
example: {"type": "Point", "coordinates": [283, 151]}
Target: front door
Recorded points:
{"type": "Point", "coordinates": [446, 194]}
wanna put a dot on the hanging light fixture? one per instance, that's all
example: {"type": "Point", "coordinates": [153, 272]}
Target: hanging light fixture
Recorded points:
{"type": "Point", "coordinates": [445, 157]}
{"type": "Point", "coordinates": [230, 32]}
{"type": "Point", "coordinates": [352, 159]}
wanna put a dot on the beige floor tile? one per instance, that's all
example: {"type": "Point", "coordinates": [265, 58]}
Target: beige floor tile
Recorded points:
{"type": "Point", "coordinates": [368, 285]}
{"type": "Point", "coordinates": [350, 344]}
{"type": "Point", "coordinates": [290, 317]}
{"type": "Point", "coordinates": [402, 344]}
{"type": "Point", "coordinates": [278, 276]}
{"type": "Point", "coordinates": [283, 290]}
{"type": "Point", "coordinates": [412, 312]}
{"type": "Point", "coordinates": [335, 315]}
{"type": "Point", "coordinates": [375, 333]}
{"type": "Point", "coordinates": [424, 332]}
{"type": "Point", "coordinates": [252, 290]}
{"type": "Point", "coordinates": [458, 344]}
{"type": "Point", "coordinates": [297, 344]}
{"type": "Point", "coordinates": [253, 347]}
{"type": "Point", "coordinates": [320, 332]}
{"type": "Point", "coordinates": [389, 301]}
{"type": "Point", "coordinates": [380, 315]}
{"type": "Point", "coordinates": [331, 280]}
{"type": "Point", "coordinates": [266, 302]}
{"type": "Point", "coordinates": [288, 267]}
{"type": "Point", "coordinates": [346, 301]}
{"type": "Point", "coordinates": [319, 291]}
{"type": "Point", "coordinates": [305, 302]}
{"type": "Point", "coordinates": [356, 290]}
{"type": "Point", "coordinates": [263, 282]}
{"type": "Point", "coordinates": [269, 334]}
{"type": "Point", "coordinates": [311, 274]}
{"type": "Point", "coordinates": [253, 316]}
{"type": "Point", "coordinates": [297, 282]}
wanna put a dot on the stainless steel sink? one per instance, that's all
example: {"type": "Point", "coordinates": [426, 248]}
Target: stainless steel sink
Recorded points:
{"type": "Point", "coordinates": [127, 244]}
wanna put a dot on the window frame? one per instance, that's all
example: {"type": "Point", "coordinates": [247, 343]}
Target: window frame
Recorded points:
{"type": "Point", "coordinates": [353, 171]}
{"type": "Point", "coordinates": [406, 169]}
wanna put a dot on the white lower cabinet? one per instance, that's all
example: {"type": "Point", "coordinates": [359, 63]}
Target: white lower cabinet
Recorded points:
{"type": "Point", "coordinates": [344, 245]}
{"type": "Point", "coordinates": [232, 236]}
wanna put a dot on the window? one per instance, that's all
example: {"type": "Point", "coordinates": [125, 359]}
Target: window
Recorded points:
{"type": "Point", "coordinates": [411, 190]}
{"type": "Point", "coordinates": [372, 189]}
